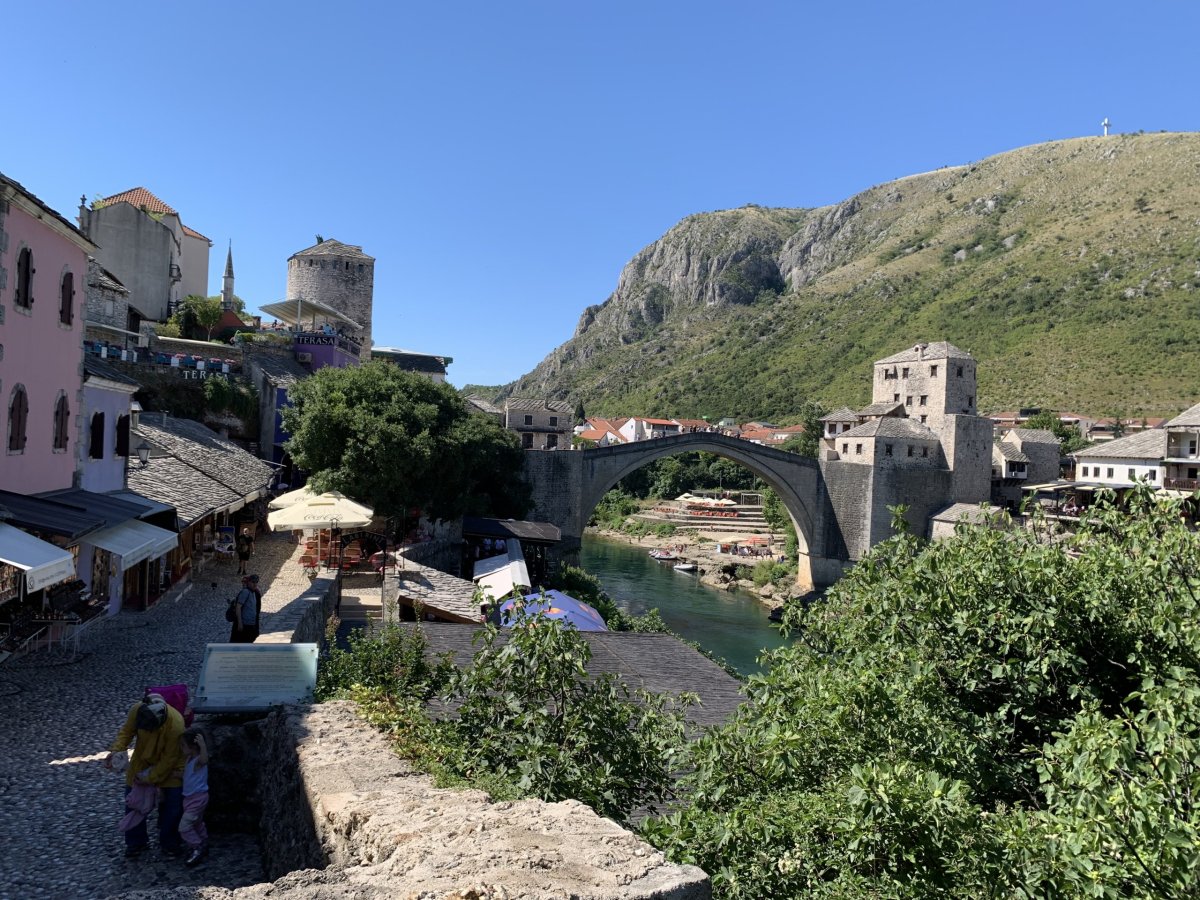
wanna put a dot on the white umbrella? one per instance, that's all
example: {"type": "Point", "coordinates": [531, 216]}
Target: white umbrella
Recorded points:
{"type": "Point", "coordinates": [283, 501]}
{"type": "Point", "coordinates": [331, 510]}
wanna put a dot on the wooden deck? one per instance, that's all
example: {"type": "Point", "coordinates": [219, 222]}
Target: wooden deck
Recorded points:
{"type": "Point", "coordinates": [658, 663]}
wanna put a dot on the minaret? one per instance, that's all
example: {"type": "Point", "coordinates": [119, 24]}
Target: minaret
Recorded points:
{"type": "Point", "coordinates": [227, 282]}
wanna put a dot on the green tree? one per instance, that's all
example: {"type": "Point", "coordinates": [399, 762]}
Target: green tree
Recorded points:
{"type": "Point", "coordinates": [398, 440]}
{"type": "Point", "coordinates": [992, 715]}
{"type": "Point", "coordinates": [1070, 438]}
{"type": "Point", "coordinates": [808, 442]}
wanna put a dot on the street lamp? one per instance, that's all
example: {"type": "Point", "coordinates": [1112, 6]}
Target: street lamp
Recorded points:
{"type": "Point", "coordinates": [143, 452]}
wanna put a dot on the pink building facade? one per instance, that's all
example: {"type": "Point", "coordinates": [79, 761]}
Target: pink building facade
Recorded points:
{"type": "Point", "coordinates": [43, 275]}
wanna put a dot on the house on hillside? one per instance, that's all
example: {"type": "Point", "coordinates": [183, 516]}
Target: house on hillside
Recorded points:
{"type": "Point", "coordinates": [542, 424]}
{"type": "Point", "coordinates": [1183, 451]}
{"type": "Point", "coordinates": [601, 432]}
{"type": "Point", "coordinates": [144, 242]}
{"type": "Point", "coordinates": [1123, 462]}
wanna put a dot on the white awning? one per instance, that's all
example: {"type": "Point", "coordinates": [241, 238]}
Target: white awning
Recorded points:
{"type": "Point", "coordinates": [297, 312]}
{"type": "Point", "coordinates": [134, 541]}
{"type": "Point", "coordinates": [497, 576]}
{"type": "Point", "coordinates": [43, 563]}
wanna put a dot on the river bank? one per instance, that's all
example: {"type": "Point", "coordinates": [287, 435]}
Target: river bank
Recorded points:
{"type": "Point", "coordinates": [713, 568]}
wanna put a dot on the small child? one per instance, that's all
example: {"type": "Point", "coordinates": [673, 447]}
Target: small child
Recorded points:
{"type": "Point", "coordinates": [195, 795]}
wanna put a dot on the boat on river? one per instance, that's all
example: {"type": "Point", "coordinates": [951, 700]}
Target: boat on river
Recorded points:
{"type": "Point", "coordinates": [686, 567]}
{"type": "Point", "coordinates": [663, 555]}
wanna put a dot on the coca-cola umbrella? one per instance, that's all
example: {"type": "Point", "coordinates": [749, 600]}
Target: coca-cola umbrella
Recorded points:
{"type": "Point", "coordinates": [329, 510]}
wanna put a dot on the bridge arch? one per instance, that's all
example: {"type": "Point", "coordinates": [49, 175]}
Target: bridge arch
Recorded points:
{"type": "Point", "coordinates": [796, 479]}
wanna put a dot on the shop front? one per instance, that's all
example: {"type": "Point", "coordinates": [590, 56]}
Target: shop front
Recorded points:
{"type": "Point", "coordinates": [38, 589]}
{"type": "Point", "coordinates": [124, 563]}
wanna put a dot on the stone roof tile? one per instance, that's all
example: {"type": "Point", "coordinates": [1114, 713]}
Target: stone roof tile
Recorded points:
{"type": "Point", "coordinates": [330, 247]}
{"type": "Point", "coordinates": [1150, 444]}
{"type": "Point", "coordinates": [205, 450]}
{"type": "Point", "coordinates": [1034, 435]}
{"type": "Point", "coordinates": [936, 350]}
{"type": "Point", "coordinates": [1189, 418]}
{"type": "Point", "coordinates": [844, 414]}
{"type": "Point", "coordinates": [891, 427]}
{"type": "Point", "coordinates": [526, 403]}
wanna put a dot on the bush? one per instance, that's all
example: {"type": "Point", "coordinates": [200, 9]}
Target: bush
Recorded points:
{"type": "Point", "coordinates": [392, 660]}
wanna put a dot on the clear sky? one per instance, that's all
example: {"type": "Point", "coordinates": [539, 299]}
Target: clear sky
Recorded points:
{"type": "Point", "coordinates": [503, 161]}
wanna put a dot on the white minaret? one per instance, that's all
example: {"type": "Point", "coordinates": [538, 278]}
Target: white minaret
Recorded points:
{"type": "Point", "coordinates": [227, 281]}
{"type": "Point", "coordinates": [1105, 124]}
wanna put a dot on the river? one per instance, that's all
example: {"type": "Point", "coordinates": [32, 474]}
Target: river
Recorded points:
{"type": "Point", "coordinates": [731, 624]}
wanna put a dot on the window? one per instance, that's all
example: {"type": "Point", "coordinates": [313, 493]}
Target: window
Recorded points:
{"type": "Point", "coordinates": [845, 449]}
{"type": "Point", "coordinates": [887, 449]}
{"type": "Point", "coordinates": [895, 398]}
{"type": "Point", "coordinates": [96, 438]}
{"type": "Point", "coordinates": [1083, 472]}
{"type": "Point", "coordinates": [62, 422]}
{"type": "Point", "coordinates": [925, 451]}
{"type": "Point", "coordinates": [527, 441]}
{"type": "Point", "coordinates": [924, 401]}
{"type": "Point", "coordinates": [910, 449]}
{"type": "Point", "coordinates": [122, 442]}
{"type": "Point", "coordinates": [1191, 448]}
{"type": "Point", "coordinates": [18, 418]}
{"type": "Point", "coordinates": [25, 270]}
{"type": "Point", "coordinates": [554, 421]}
{"type": "Point", "coordinates": [858, 449]}
{"type": "Point", "coordinates": [958, 371]}
{"type": "Point", "coordinates": [1110, 473]}
{"type": "Point", "coordinates": [924, 418]}
{"type": "Point", "coordinates": [529, 420]}
{"type": "Point", "coordinates": [552, 442]}
{"type": "Point", "coordinates": [970, 401]}
{"type": "Point", "coordinates": [905, 373]}
{"type": "Point", "coordinates": [1152, 475]}
{"type": "Point", "coordinates": [908, 400]}
{"type": "Point", "coordinates": [933, 371]}
{"type": "Point", "coordinates": [1133, 474]}
{"type": "Point", "coordinates": [66, 305]}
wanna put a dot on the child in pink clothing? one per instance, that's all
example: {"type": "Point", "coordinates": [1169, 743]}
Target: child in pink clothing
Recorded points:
{"type": "Point", "coordinates": [195, 795]}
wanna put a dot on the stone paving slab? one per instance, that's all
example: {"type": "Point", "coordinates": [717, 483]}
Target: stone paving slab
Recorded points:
{"type": "Point", "coordinates": [59, 833]}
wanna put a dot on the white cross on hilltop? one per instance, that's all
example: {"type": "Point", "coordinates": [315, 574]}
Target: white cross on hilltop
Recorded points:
{"type": "Point", "coordinates": [1105, 125]}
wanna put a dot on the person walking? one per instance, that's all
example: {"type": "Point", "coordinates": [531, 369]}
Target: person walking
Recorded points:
{"type": "Point", "coordinates": [247, 607]}
{"type": "Point", "coordinates": [243, 555]}
{"type": "Point", "coordinates": [153, 727]}
{"type": "Point", "coordinates": [195, 795]}
{"type": "Point", "coordinates": [248, 537]}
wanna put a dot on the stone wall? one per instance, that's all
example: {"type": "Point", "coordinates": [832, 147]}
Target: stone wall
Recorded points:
{"type": "Point", "coordinates": [346, 283]}
{"type": "Point", "coordinates": [303, 620]}
{"type": "Point", "coordinates": [336, 798]}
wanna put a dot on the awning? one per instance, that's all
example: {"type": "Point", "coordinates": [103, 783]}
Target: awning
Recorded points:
{"type": "Point", "coordinates": [134, 542]}
{"type": "Point", "coordinates": [296, 312]}
{"type": "Point", "coordinates": [43, 563]}
{"type": "Point", "coordinates": [497, 576]}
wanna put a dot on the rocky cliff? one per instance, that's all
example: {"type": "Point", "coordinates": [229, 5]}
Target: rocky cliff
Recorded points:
{"type": "Point", "coordinates": [1069, 269]}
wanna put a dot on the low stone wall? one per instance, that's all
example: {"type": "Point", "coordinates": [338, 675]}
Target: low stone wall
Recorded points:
{"type": "Point", "coordinates": [303, 620]}
{"type": "Point", "coordinates": [337, 799]}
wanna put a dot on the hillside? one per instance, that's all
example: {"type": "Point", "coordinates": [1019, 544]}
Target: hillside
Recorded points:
{"type": "Point", "coordinates": [1071, 270]}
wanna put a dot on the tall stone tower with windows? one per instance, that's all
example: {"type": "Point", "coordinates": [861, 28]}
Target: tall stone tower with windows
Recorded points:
{"type": "Point", "coordinates": [339, 275]}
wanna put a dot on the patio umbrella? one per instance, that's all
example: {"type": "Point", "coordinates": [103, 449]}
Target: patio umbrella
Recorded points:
{"type": "Point", "coordinates": [559, 606]}
{"type": "Point", "coordinates": [283, 501]}
{"type": "Point", "coordinates": [330, 510]}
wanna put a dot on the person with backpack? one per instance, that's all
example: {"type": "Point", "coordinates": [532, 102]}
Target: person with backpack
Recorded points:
{"type": "Point", "coordinates": [246, 608]}
{"type": "Point", "coordinates": [154, 727]}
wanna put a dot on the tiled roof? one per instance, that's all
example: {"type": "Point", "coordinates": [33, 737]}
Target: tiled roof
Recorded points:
{"type": "Point", "coordinates": [1189, 418]}
{"type": "Point", "coordinates": [1034, 435]}
{"type": "Point", "coordinates": [330, 247]}
{"type": "Point", "coordinates": [659, 421]}
{"type": "Point", "coordinates": [552, 405]}
{"type": "Point", "coordinates": [113, 510]}
{"type": "Point", "coordinates": [972, 513]}
{"type": "Point", "coordinates": [891, 427]}
{"type": "Point", "coordinates": [100, 277]}
{"type": "Point", "coordinates": [1151, 444]}
{"type": "Point", "coordinates": [279, 369]}
{"type": "Point", "coordinates": [483, 406]}
{"type": "Point", "coordinates": [16, 185]}
{"type": "Point", "coordinates": [691, 423]}
{"type": "Point", "coordinates": [845, 414]}
{"type": "Point", "coordinates": [98, 369]}
{"type": "Point", "coordinates": [205, 450]}
{"type": "Point", "coordinates": [173, 482]}
{"type": "Point", "coordinates": [879, 409]}
{"type": "Point", "coordinates": [546, 532]}
{"type": "Point", "coordinates": [192, 232]}
{"type": "Point", "coordinates": [1011, 452]}
{"type": "Point", "coordinates": [139, 197]}
{"type": "Point", "coordinates": [936, 350]}
{"type": "Point", "coordinates": [411, 361]}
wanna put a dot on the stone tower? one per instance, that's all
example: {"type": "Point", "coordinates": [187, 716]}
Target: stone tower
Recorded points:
{"type": "Point", "coordinates": [340, 276]}
{"type": "Point", "coordinates": [933, 381]}
{"type": "Point", "coordinates": [227, 281]}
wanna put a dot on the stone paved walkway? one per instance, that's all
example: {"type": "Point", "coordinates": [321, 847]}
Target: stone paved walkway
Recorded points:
{"type": "Point", "coordinates": [61, 807]}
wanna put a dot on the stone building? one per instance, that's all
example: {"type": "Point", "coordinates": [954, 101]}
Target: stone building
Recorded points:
{"type": "Point", "coordinates": [339, 276]}
{"type": "Point", "coordinates": [431, 365]}
{"type": "Point", "coordinates": [144, 242]}
{"type": "Point", "coordinates": [542, 424]}
{"type": "Point", "coordinates": [932, 381]}
{"type": "Point", "coordinates": [106, 308]}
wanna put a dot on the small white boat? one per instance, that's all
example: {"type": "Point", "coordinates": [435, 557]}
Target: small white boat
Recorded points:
{"type": "Point", "coordinates": [685, 567]}
{"type": "Point", "coordinates": [663, 555]}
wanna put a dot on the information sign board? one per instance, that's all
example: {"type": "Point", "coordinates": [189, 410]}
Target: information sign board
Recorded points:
{"type": "Point", "coordinates": [254, 677]}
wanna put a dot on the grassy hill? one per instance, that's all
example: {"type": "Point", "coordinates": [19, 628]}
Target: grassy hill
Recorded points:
{"type": "Point", "coordinates": [1071, 270]}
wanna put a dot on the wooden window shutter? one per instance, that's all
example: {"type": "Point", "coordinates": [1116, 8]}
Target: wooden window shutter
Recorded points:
{"type": "Point", "coordinates": [18, 414]}
{"type": "Point", "coordinates": [24, 297]}
{"type": "Point", "coordinates": [66, 309]}
{"type": "Point", "coordinates": [123, 436]}
{"type": "Point", "coordinates": [62, 421]}
{"type": "Point", "coordinates": [96, 442]}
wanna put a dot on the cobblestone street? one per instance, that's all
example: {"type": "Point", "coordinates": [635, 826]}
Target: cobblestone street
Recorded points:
{"type": "Point", "coordinates": [59, 831]}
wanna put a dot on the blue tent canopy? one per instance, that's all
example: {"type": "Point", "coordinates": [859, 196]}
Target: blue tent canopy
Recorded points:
{"type": "Point", "coordinates": [557, 605]}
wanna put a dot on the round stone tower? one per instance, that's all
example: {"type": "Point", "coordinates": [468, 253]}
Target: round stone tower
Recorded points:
{"type": "Point", "coordinates": [340, 276]}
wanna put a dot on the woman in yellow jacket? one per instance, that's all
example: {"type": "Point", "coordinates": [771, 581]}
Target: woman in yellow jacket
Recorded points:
{"type": "Point", "coordinates": [154, 727]}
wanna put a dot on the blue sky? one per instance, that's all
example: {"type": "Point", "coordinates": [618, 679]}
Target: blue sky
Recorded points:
{"type": "Point", "coordinates": [503, 161]}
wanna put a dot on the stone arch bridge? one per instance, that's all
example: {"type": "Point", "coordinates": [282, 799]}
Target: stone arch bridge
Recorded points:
{"type": "Point", "coordinates": [839, 509]}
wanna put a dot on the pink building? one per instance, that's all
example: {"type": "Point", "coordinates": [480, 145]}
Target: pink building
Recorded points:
{"type": "Point", "coordinates": [43, 274]}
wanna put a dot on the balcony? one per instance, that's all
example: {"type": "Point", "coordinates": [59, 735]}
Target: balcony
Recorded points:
{"type": "Point", "coordinates": [1181, 484]}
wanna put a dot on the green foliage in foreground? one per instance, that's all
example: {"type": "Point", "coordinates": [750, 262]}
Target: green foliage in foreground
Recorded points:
{"type": "Point", "coordinates": [990, 716]}
{"type": "Point", "coordinates": [529, 721]}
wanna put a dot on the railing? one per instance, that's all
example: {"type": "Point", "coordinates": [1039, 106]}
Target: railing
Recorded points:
{"type": "Point", "coordinates": [1182, 484]}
